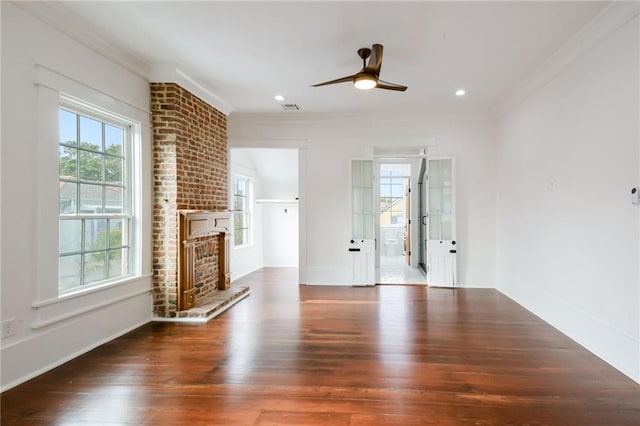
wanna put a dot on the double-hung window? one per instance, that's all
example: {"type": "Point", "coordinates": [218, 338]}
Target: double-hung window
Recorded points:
{"type": "Point", "coordinates": [241, 211]}
{"type": "Point", "coordinates": [95, 198]}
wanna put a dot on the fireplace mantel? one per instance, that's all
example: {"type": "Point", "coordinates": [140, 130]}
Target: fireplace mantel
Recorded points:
{"type": "Point", "coordinates": [198, 232]}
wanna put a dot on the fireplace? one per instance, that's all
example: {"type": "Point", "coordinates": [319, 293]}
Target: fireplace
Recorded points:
{"type": "Point", "coordinates": [203, 255]}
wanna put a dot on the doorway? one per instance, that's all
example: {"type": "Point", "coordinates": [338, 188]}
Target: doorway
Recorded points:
{"type": "Point", "coordinates": [264, 193]}
{"type": "Point", "coordinates": [395, 225]}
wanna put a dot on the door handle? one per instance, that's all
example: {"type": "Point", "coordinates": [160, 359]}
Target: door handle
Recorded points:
{"type": "Point", "coordinates": [424, 220]}
{"type": "Point", "coordinates": [452, 251]}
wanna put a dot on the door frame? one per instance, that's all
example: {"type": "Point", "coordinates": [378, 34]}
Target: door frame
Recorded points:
{"type": "Point", "coordinates": [423, 193]}
{"type": "Point", "coordinates": [301, 146]}
{"type": "Point", "coordinates": [414, 162]}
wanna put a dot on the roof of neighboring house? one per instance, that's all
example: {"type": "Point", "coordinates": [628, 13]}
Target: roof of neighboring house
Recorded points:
{"type": "Point", "coordinates": [91, 194]}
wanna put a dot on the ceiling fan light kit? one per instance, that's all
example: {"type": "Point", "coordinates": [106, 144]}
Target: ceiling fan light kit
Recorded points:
{"type": "Point", "coordinates": [369, 76]}
{"type": "Point", "coordinates": [364, 81]}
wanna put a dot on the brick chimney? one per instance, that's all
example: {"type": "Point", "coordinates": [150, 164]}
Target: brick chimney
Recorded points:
{"type": "Point", "coordinates": [190, 171]}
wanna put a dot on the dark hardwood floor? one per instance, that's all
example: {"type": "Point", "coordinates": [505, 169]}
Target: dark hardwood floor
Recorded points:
{"type": "Point", "coordinates": [302, 355]}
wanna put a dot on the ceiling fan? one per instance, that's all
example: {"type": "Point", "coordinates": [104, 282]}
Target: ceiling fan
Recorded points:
{"type": "Point", "coordinates": [367, 77]}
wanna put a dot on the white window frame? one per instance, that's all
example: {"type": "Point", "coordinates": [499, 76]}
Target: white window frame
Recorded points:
{"type": "Point", "coordinates": [248, 212]}
{"type": "Point", "coordinates": [51, 307]}
{"type": "Point", "coordinates": [130, 128]}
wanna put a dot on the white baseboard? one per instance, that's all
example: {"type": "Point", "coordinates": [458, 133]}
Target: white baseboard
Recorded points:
{"type": "Point", "coordinates": [53, 346]}
{"type": "Point", "coordinates": [614, 346]}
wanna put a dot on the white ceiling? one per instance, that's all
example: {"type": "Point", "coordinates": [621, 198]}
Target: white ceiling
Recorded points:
{"type": "Point", "coordinates": [246, 52]}
{"type": "Point", "coordinates": [277, 169]}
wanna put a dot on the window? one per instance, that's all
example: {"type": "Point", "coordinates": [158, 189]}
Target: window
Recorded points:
{"type": "Point", "coordinates": [241, 211]}
{"type": "Point", "coordinates": [95, 198]}
{"type": "Point", "coordinates": [393, 184]}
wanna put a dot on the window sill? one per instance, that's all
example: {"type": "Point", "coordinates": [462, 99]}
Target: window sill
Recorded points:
{"type": "Point", "coordinates": [244, 246]}
{"type": "Point", "coordinates": [70, 305]}
{"type": "Point", "coordinates": [92, 289]}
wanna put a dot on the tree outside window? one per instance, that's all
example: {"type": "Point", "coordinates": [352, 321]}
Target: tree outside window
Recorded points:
{"type": "Point", "coordinates": [94, 200]}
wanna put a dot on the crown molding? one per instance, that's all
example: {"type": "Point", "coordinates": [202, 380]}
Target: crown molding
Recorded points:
{"type": "Point", "coordinates": [170, 73]}
{"type": "Point", "coordinates": [56, 15]}
{"type": "Point", "coordinates": [615, 16]}
{"type": "Point", "coordinates": [360, 118]}
{"type": "Point", "coordinates": [60, 18]}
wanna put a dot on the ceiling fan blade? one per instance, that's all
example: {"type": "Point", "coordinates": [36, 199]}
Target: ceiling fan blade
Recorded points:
{"type": "Point", "coordinates": [337, 80]}
{"type": "Point", "coordinates": [390, 86]}
{"type": "Point", "coordinates": [375, 60]}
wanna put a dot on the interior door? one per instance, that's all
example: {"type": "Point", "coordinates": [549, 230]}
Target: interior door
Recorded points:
{"type": "Point", "coordinates": [441, 229]}
{"type": "Point", "coordinates": [361, 246]}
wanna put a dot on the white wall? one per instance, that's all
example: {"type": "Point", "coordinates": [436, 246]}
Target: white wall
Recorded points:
{"type": "Point", "coordinates": [278, 169]}
{"type": "Point", "coordinates": [332, 140]}
{"type": "Point", "coordinates": [37, 62]}
{"type": "Point", "coordinates": [567, 233]}
{"type": "Point", "coordinates": [280, 234]}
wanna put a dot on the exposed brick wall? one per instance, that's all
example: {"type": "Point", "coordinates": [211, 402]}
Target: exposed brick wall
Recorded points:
{"type": "Point", "coordinates": [190, 172]}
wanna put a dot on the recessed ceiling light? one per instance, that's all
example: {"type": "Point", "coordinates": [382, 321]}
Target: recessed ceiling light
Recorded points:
{"type": "Point", "coordinates": [278, 98]}
{"type": "Point", "coordinates": [460, 92]}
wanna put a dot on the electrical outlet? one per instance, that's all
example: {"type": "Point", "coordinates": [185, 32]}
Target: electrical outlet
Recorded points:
{"type": "Point", "coordinates": [8, 328]}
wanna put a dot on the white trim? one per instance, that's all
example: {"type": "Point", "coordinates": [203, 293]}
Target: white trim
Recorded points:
{"type": "Point", "coordinates": [248, 211]}
{"type": "Point", "coordinates": [67, 22]}
{"type": "Point", "coordinates": [170, 73]}
{"type": "Point", "coordinates": [359, 118]}
{"type": "Point", "coordinates": [615, 16]}
{"type": "Point", "coordinates": [301, 146]}
{"type": "Point", "coordinates": [53, 311]}
{"type": "Point", "coordinates": [275, 201]}
{"type": "Point", "coordinates": [302, 214]}
{"type": "Point", "coordinates": [546, 306]}
{"type": "Point", "coordinates": [84, 292]}
{"type": "Point", "coordinates": [39, 324]}
{"type": "Point", "coordinates": [58, 16]}
{"type": "Point", "coordinates": [267, 143]}
{"type": "Point", "coordinates": [91, 97]}
{"type": "Point", "coordinates": [55, 90]}
{"type": "Point", "coordinates": [71, 356]}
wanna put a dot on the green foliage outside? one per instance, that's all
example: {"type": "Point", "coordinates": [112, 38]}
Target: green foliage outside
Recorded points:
{"type": "Point", "coordinates": [115, 240]}
{"type": "Point", "coordinates": [91, 162]}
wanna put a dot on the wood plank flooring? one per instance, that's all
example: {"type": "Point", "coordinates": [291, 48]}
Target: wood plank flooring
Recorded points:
{"type": "Point", "coordinates": [302, 355]}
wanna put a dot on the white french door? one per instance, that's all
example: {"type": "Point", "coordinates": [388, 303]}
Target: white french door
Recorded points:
{"type": "Point", "coordinates": [362, 244]}
{"type": "Point", "coordinates": [441, 223]}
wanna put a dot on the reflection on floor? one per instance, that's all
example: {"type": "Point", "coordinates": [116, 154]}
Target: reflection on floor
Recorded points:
{"type": "Point", "coordinates": [394, 270]}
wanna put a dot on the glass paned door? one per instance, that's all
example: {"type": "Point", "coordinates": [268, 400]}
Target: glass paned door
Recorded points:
{"type": "Point", "coordinates": [361, 247]}
{"type": "Point", "coordinates": [441, 245]}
